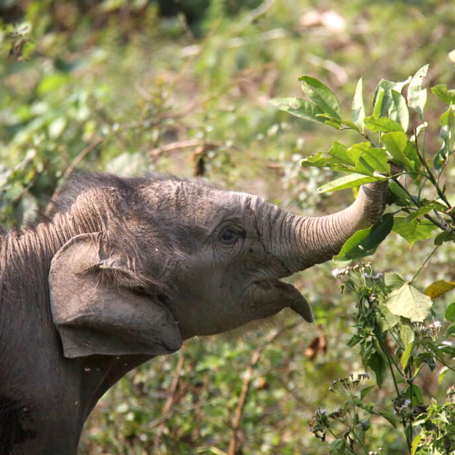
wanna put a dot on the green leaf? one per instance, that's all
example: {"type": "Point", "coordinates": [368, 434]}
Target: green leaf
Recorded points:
{"type": "Point", "coordinates": [383, 96]}
{"type": "Point", "coordinates": [365, 391]}
{"type": "Point", "coordinates": [406, 334]}
{"type": "Point", "coordinates": [339, 151]}
{"type": "Point", "coordinates": [450, 312]}
{"type": "Point", "coordinates": [396, 143]}
{"type": "Point", "coordinates": [444, 236]}
{"type": "Point", "coordinates": [336, 158]}
{"type": "Point", "coordinates": [368, 160]}
{"type": "Point", "coordinates": [366, 241]}
{"type": "Point", "coordinates": [52, 83]}
{"type": "Point", "coordinates": [331, 121]}
{"type": "Point", "coordinates": [406, 355]}
{"type": "Point", "coordinates": [399, 110]}
{"type": "Point", "coordinates": [415, 444]}
{"type": "Point", "coordinates": [444, 94]}
{"type": "Point", "coordinates": [445, 134]}
{"type": "Point", "coordinates": [413, 229]}
{"type": "Point", "coordinates": [382, 124]}
{"type": "Point", "coordinates": [450, 331]}
{"type": "Point", "coordinates": [388, 320]}
{"type": "Point", "coordinates": [393, 281]}
{"type": "Point", "coordinates": [439, 288]}
{"type": "Point", "coordinates": [377, 159]}
{"type": "Point", "coordinates": [403, 197]}
{"type": "Point", "coordinates": [415, 394]}
{"type": "Point", "coordinates": [417, 97]}
{"type": "Point", "coordinates": [337, 447]}
{"type": "Point", "coordinates": [358, 107]}
{"type": "Point", "coordinates": [348, 181]}
{"type": "Point", "coordinates": [324, 160]}
{"type": "Point", "coordinates": [378, 364]}
{"type": "Point", "coordinates": [299, 108]}
{"type": "Point", "coordinates": [409, 303]}
{"type": "Point", "coordinates": [377, 102]}
{"type": "Point", "coordinates": [321, 95]}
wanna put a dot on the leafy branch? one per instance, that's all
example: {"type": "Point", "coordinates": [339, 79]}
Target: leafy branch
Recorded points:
{"type": "Point", "coordinates": [393, 330]}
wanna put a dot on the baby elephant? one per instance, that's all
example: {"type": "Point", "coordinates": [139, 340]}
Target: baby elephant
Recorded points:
{"type": "Point", "coordinates": [128, 268]}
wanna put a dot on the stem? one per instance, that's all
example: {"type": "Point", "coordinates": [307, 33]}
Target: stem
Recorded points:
{"type": "Point", "coordinates": [424, 262]}
{"type": "Point", "coordinates": [385, 349]}
{"type": "Point", "coordinates": [418, 204]}
{"type": "Point", "coordinates": [431, 176]}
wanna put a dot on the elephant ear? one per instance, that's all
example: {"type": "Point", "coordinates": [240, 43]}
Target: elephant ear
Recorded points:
{"type": "Point", "coordinates": [100, 306]}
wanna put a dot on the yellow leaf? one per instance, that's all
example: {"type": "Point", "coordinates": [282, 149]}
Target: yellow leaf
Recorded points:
{"type": "Point", "coordinates": [438, 288]}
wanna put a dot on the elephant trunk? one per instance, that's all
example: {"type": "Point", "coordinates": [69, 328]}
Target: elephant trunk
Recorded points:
{"type": "Point", "coordinates": [305, 241]}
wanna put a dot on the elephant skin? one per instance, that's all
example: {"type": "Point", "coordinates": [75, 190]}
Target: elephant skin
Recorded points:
{"type": "Point", "coordinates": [127, 269]}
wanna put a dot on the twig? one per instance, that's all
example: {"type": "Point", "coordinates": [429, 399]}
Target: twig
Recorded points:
{"type": "Point", "coordinates": [234, 443]}
{"type": "Point", "coordinates": [234, 43]}
{"type": "Point", "coordinates": [70, 169]}
{"type": "Point", "coordinates": [424, 262]}
{"type": "Point", "coordinates": [168, 404]}
{"type": "Point", "coordinates": [174, 146]}
{"type": "Point", "coordinates": [259, 11]}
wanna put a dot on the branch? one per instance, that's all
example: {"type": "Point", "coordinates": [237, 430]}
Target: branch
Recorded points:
{"type": "Point", "coordinates": [174, 146]}
{"type": "Point", "coordinates": [235, 442]}
{"type": "Point", "coordinates": [169, 402]}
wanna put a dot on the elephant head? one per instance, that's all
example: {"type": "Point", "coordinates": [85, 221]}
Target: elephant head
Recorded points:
{"type": "Point", "coordinates": [153, 261]}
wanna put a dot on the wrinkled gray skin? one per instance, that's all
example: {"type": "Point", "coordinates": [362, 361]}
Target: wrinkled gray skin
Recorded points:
{"type": "Point", "coordinates": [126, 270]}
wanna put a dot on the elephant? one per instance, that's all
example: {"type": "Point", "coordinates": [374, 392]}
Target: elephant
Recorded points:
{"type": "Point", "coordinates": [127, 269]}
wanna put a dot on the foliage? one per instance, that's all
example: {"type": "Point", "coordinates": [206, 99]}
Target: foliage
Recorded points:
{"type": "Point", "coordinates": [392, 331]}
{"type": "Point", "coordinates": [128, 87]}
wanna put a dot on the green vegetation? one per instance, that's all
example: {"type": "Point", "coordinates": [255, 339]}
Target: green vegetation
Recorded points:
{"type": "Point", "coordinates": [134, 86]}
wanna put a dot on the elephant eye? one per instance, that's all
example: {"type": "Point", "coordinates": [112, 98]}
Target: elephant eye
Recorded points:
{"type": "Point", "coordinates": [229, 237]}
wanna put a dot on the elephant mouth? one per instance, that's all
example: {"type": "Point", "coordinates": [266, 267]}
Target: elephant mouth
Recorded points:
{"type": "Point", "coordinates": [284, 295]}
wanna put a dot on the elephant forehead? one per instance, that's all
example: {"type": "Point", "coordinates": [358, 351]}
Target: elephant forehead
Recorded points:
{"type": "Point", "coordinates": [202, 202]}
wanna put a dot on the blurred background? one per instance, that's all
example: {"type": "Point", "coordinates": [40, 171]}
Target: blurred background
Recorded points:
{"type": "Point", "coordinates": [183, 87]}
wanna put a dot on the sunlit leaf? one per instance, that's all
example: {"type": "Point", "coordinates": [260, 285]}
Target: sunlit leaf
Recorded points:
{"type": "Point", "coordinates": [417, 97]}
{"type": "Point", "coordinates": [325, 160]}
{"type": "Point", "coordinates": [406, 334]}
{"type": "Point", "coordinates": [395, 144]}
{"type": "Point", "coordinates": [406, 355]}
{"type": "Point", "coordinates": [444, 94]}
{"type": "Point", "coordinates": [378, 101]}
{"type": "Point", "coordinates": [415, 444]}
{"type": "Point", "coordinates": [366, 241]}
{"type": "Point", "coordinates": [409, 303]}
{"type": "Point", "coordinates": [383, 96]}
{"type": "Point", "coordinates": [348, 181]}
{"type": "Point", "coordinates": [358, 107]}
{"type": "Point", "coordinates": [382, 124]}
{"type": "Point", "coordinates": [321, 95]}
{"type": "Point", "coordinates": [339, 151]}
{"type": "Point", "coordinates": [399, 110]}
{"type": "Point", "coordinates": [393, 280]}
{"type": "Point", "coordinates": [336, 158]}
{"type": "Point", "coordinates": [450, 312]}
{"type": "Point", "coordinates": [299, 108]}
